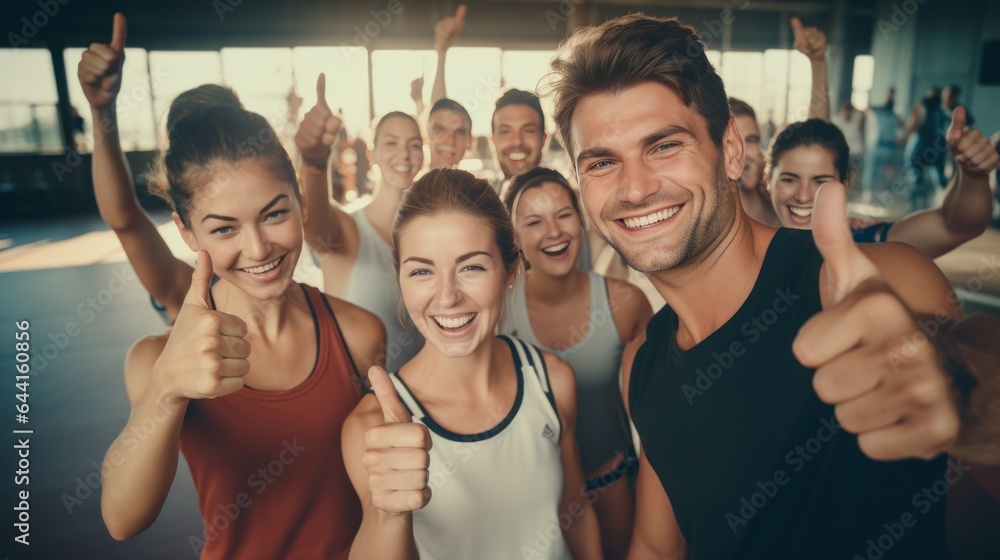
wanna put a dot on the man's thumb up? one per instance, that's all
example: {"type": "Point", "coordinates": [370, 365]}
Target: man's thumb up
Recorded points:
{"type": "Point", "coordinates": [321, 91]}
{"type": "Point", "coordinates": [956, 127]}
{"type": "Point", "coordinates": [846, 267]}
{"type": "Point", "coordinates": [119, 31]}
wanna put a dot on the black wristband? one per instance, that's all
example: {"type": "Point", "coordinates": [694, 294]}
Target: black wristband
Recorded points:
{"type": "Point", "coordinates": [316, 163]}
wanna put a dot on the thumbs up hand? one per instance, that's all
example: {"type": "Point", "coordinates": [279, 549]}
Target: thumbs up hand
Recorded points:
{"type": "Point", "coordinates": [100, 68]}
{"type": "Point", "coordinates": [449, 29]}
{"type": "Point", "coordinates": [973, 152]}
{"type": "Point", "coordinates": [809, 41]}
{"type": "Point", "coordinates": [396, 456]}
{"type": "Point", "coordinates": [319, 128]}
{"type": "Point", "coordinates": [889, 390]}
{"type": "Point", "coordinates": [206, 354]}
{"type": "Point", "coordinates": [417, 89]}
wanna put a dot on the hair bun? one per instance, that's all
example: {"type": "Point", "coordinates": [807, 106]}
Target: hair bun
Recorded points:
{"type": "Point", "coordinates": [205, 96]}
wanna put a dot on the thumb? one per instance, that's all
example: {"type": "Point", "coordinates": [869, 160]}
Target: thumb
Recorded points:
{"type": "Point", "coordinates": [321, 90]}
{"type": "Point", "coordinates": [957, 125]}
{"type": "Point", "coordinates": [845, 265]}
{"type": "Point", "coordinates": [460, 15]}
{"type": "Point", "coordinates": [392, 409]}
{"type": "Point", "coordinates": [119, 31]}
{"type": "Point", "coordinates": [797, 30]}
{"type": "Point", "coordinates": [201, 281]}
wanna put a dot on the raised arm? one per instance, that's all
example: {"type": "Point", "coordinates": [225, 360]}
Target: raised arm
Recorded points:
{"type": "Point", "coordinates": [417, 95]}
{"type": "Point", "coordinates": [811, 42]}
{"type": "Point", "coordinates": [205, 356]}
{"type": "Point", "coordinates": [968, 204]}
{"type": "Point", "coordinates": [386, 459]}
{"type": "Point", "coordinates": [323, 222]}
{"type": "Point", "coordinates": [100, 74]}
{"type": "Point", "coordinates": [583, 537]}
{"type": "Point", "coordinates": [446, 32]}
{"type": "Point", "coordinates": [656, 534]}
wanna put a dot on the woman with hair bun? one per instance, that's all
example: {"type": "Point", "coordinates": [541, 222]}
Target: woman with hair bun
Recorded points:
{"type": "Point", "coordinates": [468, 451]}
{"type": "Point", "coordinates": [258, 370]}
{"type": "Point", "coordinates": [100, 73]}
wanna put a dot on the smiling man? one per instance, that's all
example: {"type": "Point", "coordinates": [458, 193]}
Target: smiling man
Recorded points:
{"type": "Point", "coordinates": [518, 132]}
{"type": "Point", "coordinates": [449, 132]}
{"type": "Point", "coordinates": [775, 394]}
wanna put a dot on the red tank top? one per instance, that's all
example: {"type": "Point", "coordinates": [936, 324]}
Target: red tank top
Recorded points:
{"type": "Point", "coordinates": [268, 466]}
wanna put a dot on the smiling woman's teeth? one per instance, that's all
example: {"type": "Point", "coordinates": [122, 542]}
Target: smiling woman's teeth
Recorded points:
{"type": "Point", "coordinates": [801, 212]}
{"type": "Point", "coordinates": [402, 168]}
{"type": "Point", "coordinates": [557, 248]}
{"type": "Point", "coordinates": [650, 219]}
{"type": "Point", "coordinates": [263, 268]}
{"type": "Point", "coordinates": [454, 322]}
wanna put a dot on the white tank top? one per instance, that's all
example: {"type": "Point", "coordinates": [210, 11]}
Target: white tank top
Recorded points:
{"type": "Point", "coordinates": [373, 287]}
{"type": "Point", "coordinates": [495, 494]}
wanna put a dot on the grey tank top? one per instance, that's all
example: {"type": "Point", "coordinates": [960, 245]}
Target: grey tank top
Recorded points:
{"type": "Point", "coordinates": [373, 286]}
{"type": "Point", "coordinates": [602, 429]}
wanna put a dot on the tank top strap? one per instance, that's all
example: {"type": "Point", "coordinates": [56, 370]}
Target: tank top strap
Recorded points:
{"type": "Point", "coordinates": [605, 331]}
{"type": "Point", "coordinates": [331, 335]}
{"type": "Point", "coordinates": [409, 401]}
{"type": "Point", "coordinates": [533, 370]}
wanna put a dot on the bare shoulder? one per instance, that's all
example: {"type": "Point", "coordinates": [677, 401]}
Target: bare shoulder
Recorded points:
{"type": "Point", "coordinates": [559, 369]}
{"type": "Point", "coordinates": [914, 277]}
{"type": "Point", "coordinates": [627, 296]}
{"type": "Point", "coordinates": [363, 333]}
{"type": "Point", "coordinates": [351, 313]}
{"type": "Point", "coordinates": [563, 383]}
{"type": "Point", "coordinates": [629, 306]}
{"type": "Point", "coordinates": [139, 364]}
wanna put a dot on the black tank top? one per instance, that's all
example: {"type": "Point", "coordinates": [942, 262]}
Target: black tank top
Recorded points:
{"type": "Point", "coordinates": [755, 465]}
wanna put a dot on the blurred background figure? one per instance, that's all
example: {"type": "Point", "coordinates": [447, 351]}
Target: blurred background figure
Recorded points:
{"type": "Point", "coordinates": [923, 156]}
{"type": "Point", "coordinates": [882, 153]}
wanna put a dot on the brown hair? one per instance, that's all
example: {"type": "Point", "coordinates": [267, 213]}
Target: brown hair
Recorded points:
{"type": "Point", "coordinates": [519, 97]}
{"type": "Point", "coordinates": [205, 139]}
{"type": "Point", "coordinates": [391, 115]}
{"type": "Point", "coordinates": [813, 132]}
{"type": "Point", "coordinates": [626, 51]}
{"type": "Point", "coordinates": [445, 104]}
{"type": "Point", "coordinates": [536, 178]}
{"type": "Point", "coordinates": [453, 190]}
{"type": "Point", "coordinates": [201, 97]}
{"type": "Point", "coordinates": [741, 108]}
